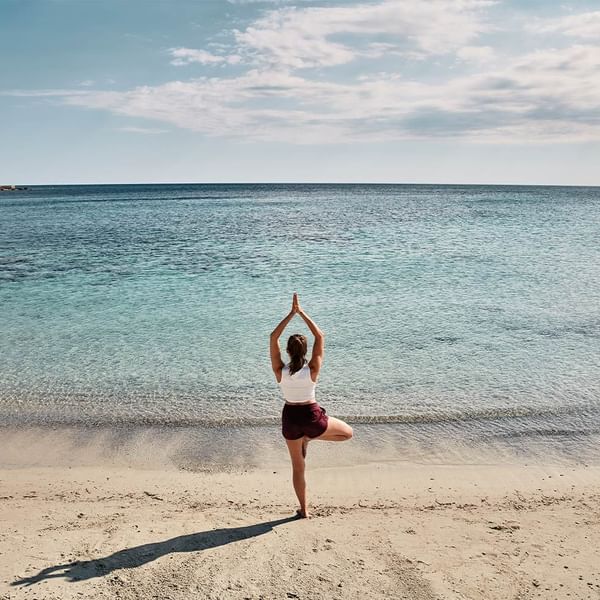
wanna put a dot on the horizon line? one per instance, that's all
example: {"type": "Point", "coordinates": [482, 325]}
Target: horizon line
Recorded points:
{"type": "Point", "coordinates": [407, 183]}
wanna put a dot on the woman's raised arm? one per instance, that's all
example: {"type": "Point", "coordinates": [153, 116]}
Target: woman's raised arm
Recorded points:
{"type": "Point", "coordinates": [276, 362]}
{"type": "Point", "coordinates": [318, 347]}
{"type": "Point", "coordinates": [311, 325]}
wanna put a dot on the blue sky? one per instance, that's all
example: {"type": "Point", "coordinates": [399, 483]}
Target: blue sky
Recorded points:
{"type": "Point", "coordinates": [456, 91]}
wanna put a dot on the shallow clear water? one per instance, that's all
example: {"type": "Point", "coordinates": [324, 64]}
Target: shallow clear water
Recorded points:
{"type": "Point", "coordinates": [153, 303]}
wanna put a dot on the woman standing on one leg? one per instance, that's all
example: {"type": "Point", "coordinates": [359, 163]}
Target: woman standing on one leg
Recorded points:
{"type": "Point", "coordinates": [302, 418]}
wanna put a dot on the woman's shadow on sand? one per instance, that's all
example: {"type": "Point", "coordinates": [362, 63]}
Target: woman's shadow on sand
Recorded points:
{"type": "Point", "coordinates": [140, 555]}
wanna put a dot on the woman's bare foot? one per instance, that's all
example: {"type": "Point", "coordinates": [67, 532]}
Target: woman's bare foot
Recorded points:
{"type": "Point", "coordinates": [303, 514]}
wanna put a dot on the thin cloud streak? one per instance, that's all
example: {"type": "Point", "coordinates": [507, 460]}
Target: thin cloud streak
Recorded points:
{"type": "Point", "coordinates": [186, 56]}
{"type": "Point", "coordinates": [142, 130]}
{"type": "Point", "coordinates": [583, 25]}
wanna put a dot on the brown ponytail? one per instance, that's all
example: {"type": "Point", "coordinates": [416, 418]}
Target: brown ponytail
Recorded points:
{"type": "Point", "coordinates": [296, 347]}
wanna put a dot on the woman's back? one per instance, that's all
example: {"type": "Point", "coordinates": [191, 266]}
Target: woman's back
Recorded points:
{"type": "Point", "coordinates": [298, 387]}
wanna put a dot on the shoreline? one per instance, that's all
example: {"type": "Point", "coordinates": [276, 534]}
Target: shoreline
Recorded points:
{"type": "Point", "coordinates": [397, 529]}
{"type": "Point", "coordinates": [425, 417]}
{"type": "Point", "coordinates": [262, 446]}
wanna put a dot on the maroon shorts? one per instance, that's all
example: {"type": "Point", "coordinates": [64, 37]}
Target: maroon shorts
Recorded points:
{"type": "Point", "coordinates": [298, 420]}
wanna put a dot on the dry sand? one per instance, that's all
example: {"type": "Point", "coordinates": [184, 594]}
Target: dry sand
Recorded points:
{"type": "Point", "coordinates": [380, 530]}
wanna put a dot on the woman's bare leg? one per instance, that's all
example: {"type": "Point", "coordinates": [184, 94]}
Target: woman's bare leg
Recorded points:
{"type": "Point", "coordinates": [305, 441]}
{"type": "Point", "coordinates": [337, 431]}
{"type": "Point", "coordinates": [295, 448]}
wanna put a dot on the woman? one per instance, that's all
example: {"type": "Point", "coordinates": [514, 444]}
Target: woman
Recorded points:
{"type": "Point", "coordinates": [302, 418]}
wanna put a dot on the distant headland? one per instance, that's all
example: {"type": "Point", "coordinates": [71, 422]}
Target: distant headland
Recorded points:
{"type": "Point", "coordinates": [12, 188]}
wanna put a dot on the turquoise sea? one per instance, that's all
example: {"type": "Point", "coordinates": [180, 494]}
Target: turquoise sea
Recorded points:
{"type": "Point", "coordinates": [442, 305]}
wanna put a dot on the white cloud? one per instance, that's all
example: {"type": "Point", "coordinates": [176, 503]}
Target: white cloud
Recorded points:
{"type": "Point", "coordinates": [295, 38]}
{"type": "Point", "coordinates": [545, 95]}
{"type": "Point", "coordinates": [475, 54]}
{"type": "Point", "coordinates": [582, 25]}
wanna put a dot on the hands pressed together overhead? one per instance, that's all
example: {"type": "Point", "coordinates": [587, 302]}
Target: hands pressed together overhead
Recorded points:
{"type": "Point", "coordinates": [296, 305]}
{"type": "Point", "coordinates": [296, 310]}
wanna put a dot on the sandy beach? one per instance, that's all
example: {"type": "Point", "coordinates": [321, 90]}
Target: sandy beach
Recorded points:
{"type": "Point", "coordinates": [386, 529]}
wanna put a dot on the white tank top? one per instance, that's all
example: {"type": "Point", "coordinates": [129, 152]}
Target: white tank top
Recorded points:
{"type": "Point", "coordinates": [298, 387]}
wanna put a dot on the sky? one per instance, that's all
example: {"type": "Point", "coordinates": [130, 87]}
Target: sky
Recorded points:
{"type": "Point", "coordinates": [406, 91]}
